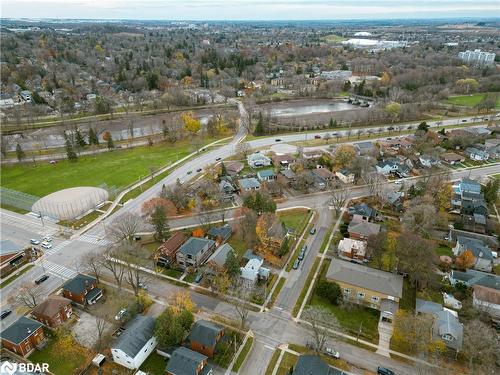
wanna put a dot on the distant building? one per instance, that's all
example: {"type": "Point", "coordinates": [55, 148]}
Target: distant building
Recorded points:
{"type": "Point", "coordinates": [12, 257]}
{"type": "Point", "coordinates": [487, 299]}
{"type": "Point", "coordinates": [336, 75]}
{"type": "Point", "coordinates": [477, 57]}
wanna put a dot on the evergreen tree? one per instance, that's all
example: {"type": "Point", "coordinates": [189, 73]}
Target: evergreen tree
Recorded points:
{"type": "Point", "coordinates": [259, 128]}
{"type": "Point", "coordinates": [20, 153]}
{"type": "Point", "coordinates": [70, 152]}
{"type": "Point", "coordinates": [93, 139]}
{"type": "Point", "coordinates": [232, 264]}
{"type": "Point", "coordinates": [111, 145]}
{"type": "Point", "coordinates": [331, 123]}
{"type": "Point", "coordinates": [335, 124]}
{"type": "Point", "coordinates": [223, 170]}
{"type": "Point", "coordinates": [160, 223]}
{"type": "Point", "coordinates": [79, 138]}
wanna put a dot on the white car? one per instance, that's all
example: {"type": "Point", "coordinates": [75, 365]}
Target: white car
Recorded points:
{"type": "Point", "coordinates": [46, 245]}
{"type": "Point", "coordinates": [34, 242]}
{"type": "Point", "coordinates": [332, 353]}
{"type": "Point", "coordinates": [47, 239]}
{"type": "Point", "coordinates": [121, 314]}
{"type": "Point", "coordinates": [398, 182]}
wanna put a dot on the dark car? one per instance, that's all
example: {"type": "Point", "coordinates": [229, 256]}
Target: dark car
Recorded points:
{"type": "Point", "coordinates": [189, 172]}
{"type": "Point", "coordinates": [5, 313]}
{"type": "Point", "coordinates": [41, 279]}
{"type": "Point", "coordinates": [317, 136]}
{"type": "Point", "coordinates": [199, 170]}
{"type": "Point", "coordinates": [198, 278]}
{"type": "Point", "coordinates": [384, 371]}
{"type": "Point", "coordinates": [464, 120]}
{"type": "Point", "coordinates": [302, 255]}
{"type": "Point", "coordinates": [277, 140]}
{"type": "Point", "coordinates": [296, 264]}
{"type": "Point", "coordinates": [312, 231]}
{"type": "Point", "coordinates": [217, 159]}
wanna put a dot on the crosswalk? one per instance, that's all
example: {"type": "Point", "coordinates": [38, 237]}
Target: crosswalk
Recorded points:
{"type": "Point", "coordinates": [56, 248]}
{"type": "Point", "coordinates": [58, 270]}
{"type": "Point", "coordinates": [94, 240]}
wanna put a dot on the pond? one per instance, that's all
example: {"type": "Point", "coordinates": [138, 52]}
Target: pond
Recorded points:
{"type": "Point", "coordinates": [301, 109]}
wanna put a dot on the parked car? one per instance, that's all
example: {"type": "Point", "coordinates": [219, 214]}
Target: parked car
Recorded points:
{"type": "Point", "coordinates": [5, 313]}
{"type": "Point", "coordinates": [189, 172]}
{"type": "Point", "coordinates": [198, 278]}
{"type": "Point", "coordinates": [53, 162]}
{"type": "Point", "coordinates": [34, 242]}
{"type": "Point", "coordinates": [199, 170]}
{"type": "Point", "coordinates": [302, 254]}
{"type": "Point", "coordinates": [332, 353]}
{"type": "Point", "coordinates": [277, 140]}
{"type": "Point", "coordinates": [46, 245]}
{"type": "Point", "coordinates": [312, 231]}
{"type": "Point", "coordinates": [121, 314]}
{"type": "Point", "coordinates": [217, 159]}
{"type": "Point", "coordinates": [317, 136]}
{"type": "Point", "coordinates": [41, 279]}
{"type": "Point", "coordinates": [47, 239]}
{"type": "Point", "coordinates": [296, 264]}
{"type": "Point", "coordinates": [384, 371]}
{"type": "Point", "coordinates": [398, 182]}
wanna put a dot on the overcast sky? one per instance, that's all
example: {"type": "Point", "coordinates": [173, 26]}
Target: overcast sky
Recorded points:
{"type": "Point", "coordinates": [248, 9]}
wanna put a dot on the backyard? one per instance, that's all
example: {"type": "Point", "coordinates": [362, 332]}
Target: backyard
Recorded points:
{"type": "Point", "coordinates": [154, 365]}
{"type": "Point", "coordinates": [127, 165]}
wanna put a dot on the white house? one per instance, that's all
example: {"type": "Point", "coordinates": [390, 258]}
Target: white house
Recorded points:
{"type": "Point", "coordinates": [345, 175]}
{"type": "Point", "coordinates": [387, 166]}
{"type": "Point", "coordinates": [476, 154]}
{"type": "Point", "coordinates": [257, 160]}
{"type": "Point", "coordinates": [135, 343]}
{"type": "Point", "coordinates": [254, 271]}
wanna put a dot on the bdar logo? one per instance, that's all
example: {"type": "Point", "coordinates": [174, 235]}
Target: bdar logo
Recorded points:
{"type": "Point", "coordinates": [8, 368]}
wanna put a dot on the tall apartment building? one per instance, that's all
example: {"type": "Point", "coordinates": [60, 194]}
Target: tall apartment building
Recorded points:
{"type": "Point", "coordinates": [477, 57]}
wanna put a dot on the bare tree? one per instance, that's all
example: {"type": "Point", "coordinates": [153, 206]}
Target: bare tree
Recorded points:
{"type": "Point", "coordinates": [100, 325]}
{"type": "Point", "coordinates": [125, 227]}
{"type": "Point", "coordinates": [242, 294]}
{"type": "Point", "coordinates": [92, 263]}
{"type": "Point", "coordinates": [338, 199]}
{"type": "Point", "coordinates": [116, 268]}
{"type": "Point", "coordinates": [28, 296]}
{"type": "Point", "coordinates": [134, 277]}
{"type": "Point", "coordinates": [481, 346]}
{"type": "Point", "coordinates": [321, 322]}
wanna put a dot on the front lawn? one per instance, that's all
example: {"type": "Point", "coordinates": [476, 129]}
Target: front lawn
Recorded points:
{"type": "Point", "coordinates": [296, 219]}
{"type": "Point", "coordinates": [117, 168]}
{"type": "Point", "coordinates": [288, 361]}
{"type": "Point", "coordinates": [243, 355]}
{"type": "Point", "coordinates": [154, 365]}
{"type": "Point", "coordinates": [237, 244]}
{"type": "Point", "coordinates": [444, 250]}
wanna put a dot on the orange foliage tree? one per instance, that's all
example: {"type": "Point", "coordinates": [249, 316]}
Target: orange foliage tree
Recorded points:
{"type": "Point", "coordinates": [465, 260]}
{"type": "Point", "coordinates": [149, 206]}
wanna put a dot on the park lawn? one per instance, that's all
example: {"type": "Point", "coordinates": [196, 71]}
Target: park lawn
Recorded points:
{"type": "Point", "coordinates": [469, 100]}
{"type": "Point", "coordinates": [62, 362]}
{"type": "Point", "coordinates": [117, 168]}
{"type": "Point", "coordinates": [332, 38]}
{"type": "Point", "coordinates": [444, 250]}
{"type": "Point", "coordinates": [352, 317]}
{"type": "Point", "coordinates": [154, 365]}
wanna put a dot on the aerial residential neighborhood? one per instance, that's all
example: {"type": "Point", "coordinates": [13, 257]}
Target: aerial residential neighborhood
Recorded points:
{"type": "Point", "coordinates": [249, 187]}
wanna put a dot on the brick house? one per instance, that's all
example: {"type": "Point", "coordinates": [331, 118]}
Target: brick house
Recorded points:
{"type": "Point", "coordinates": [13, 256]}
{"type": "Point", "coordinates": [184, 361]}
{"type": "Point", "coordinates": [53, 311]}
{"type": "Point", "coordinates": [82, 289]}
{"type": "Point", "coordinates": [165, 254]}
{"type": "Point", "coordinates": [204, 337]}
{"type": "Point", "coordinates": [23, 336]}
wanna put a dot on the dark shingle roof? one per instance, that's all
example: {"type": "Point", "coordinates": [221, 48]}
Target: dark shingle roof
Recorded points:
{"type": "Point", "coordinates": [309, 364]}
{"type": "Point", "coordinates": [184, 361]}
{"type": "Point", "coordinates": [78, 284]}
{"type": "Point", "coordinates": [137, 333]}
{"type": "Point", "coordinates": [205, 333]}
{"type": "Point", "coordinates": [20, 330]}
{"type": "Point", "coordinates": [194, 245]}
{"type": "Point", "coordinates": [223, 232]}
{"type": "Point", "coordinates": [51, 305]}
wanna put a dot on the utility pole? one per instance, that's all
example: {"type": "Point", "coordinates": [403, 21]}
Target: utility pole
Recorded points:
{"type": "Point", "coordinates": [41, 218]}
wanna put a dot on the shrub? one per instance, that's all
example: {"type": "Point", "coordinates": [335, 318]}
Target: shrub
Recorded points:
{"type": "Point", "coordinates": [330, 291]}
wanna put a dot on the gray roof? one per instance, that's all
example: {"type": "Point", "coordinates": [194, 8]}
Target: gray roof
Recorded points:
{"type": "Point", "coordinates": [205, 333]}
{"type": "Point", "coordinates": [447, 323]}
{"type": "Point", "coordinates": [20, 330]}
{"type": "Point", "coordinates": [427, 307]}
{"type": "Point", "coordinates": [249, 254]}
{"type": "Point", "coordinates": [288, 173]}
{"type": "Point", "coordinates": [249, 183]}
{"type": "Point", "coordinates": [223, 231]}
{"type": "Point", "coordinates": [364, 228]}
{"type": "Point", "coordinates": [366, 277]}
{"type": "Point", "coordinates": [184, 361]}
{"type": "Point", "coordinates": [362, 209]}
{"type": "Point", "coordinates": [476, 246]}
{"type": "Point", "coordinates": [309, 364]}
{"type": "Point", "coordinates": [137, 333]}
{"type": "Point", "coordinates": [474, 277]}
{"type": "Point", "coordinates": [78, 284]}
{"type": "Point", "coordinates": [265, 173]}
{"type": "Point", "coordinates": [9, 247]}
{"type": "Point", "coordinates": [194, 245]}
{"type": "Point", "coordinates": [221, 254]}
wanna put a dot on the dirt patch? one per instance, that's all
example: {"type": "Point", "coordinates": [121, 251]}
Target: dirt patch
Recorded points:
{"type": "Point", "coordinates": [84, 330]}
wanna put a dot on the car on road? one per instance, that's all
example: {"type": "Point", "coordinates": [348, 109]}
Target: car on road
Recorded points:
{"type": "Point", "coordinates": [34, 242]}
{"type": "Point", "coordinates": [199, 170]}
{"type": "Point", "coordinates": [121, 314]}
{"type": "Point", "coordinates": [189, 172]}
{"type": "Point", "coordinates": [384, 371]}
{"type": "Point", "coordinates": [332, 353]}
{"type": "Point", "coordinates": [41, 279]}
{"type": "Point", "coordinates": [143, 285]}
{"type": "Point", "coordinates": [296, 264]}
{"type": "Point", "coordinates": [217, 159]}
{"type": "Point", "coordinates": [277, 140]}
{"type": "Point", "coordinates": [312, 231]}
{"type": "Point", "coordinates": [317, 136]}
{"type": "Point", "coordinates": [464, 120]}
{"type": "Point", "coordinates": [47, 239]}
{"type": "Point", "coordinates": [302, 254]}
{"type": "Point", "coordinates": [5, 313]}
{"type": "Point", "coordinates": [46, 245]}
{"type": "Point", "coordinates": [198, 278]}
{"type": "Point", "coordinates": [398, 182]}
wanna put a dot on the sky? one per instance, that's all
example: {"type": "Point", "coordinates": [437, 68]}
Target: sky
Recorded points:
{"type": "Point", "coordinates": [248, 9]}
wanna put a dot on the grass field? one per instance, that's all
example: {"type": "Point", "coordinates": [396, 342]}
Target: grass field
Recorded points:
{"type": "Point", "coordinates": [12, 278]}
{"type": "Point", "coordinates": [154, 365]}
{"type": "Point", "coordinates": [272, 362]}
{"type": "Point", "coordinates": [118, 168]}
{"type": "Point", "coordinates": [469, 100]}
{"type": "Point", "coordinates": [444, 250]}
{"type": "Point", "coordinates": [288, 361]}
{"type": "Point", "coordinates": [332, 38]}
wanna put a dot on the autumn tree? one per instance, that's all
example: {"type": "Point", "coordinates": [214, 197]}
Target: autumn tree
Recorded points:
{"type": "Point", "coordinates": [467, 85]}
{"type": "Point", "coordinates": [232, 264]}
{"type": "Point", "coordinates": [246, 229]}
{"type": "Point", "coordinates": [191, 124]}
{"type": "Point", "coordinates": [465, 260]}
{"type": "Point", "coordinates": [172, 326]}
{"type": "Point", "coordinates": [414, 333]}
{"type": "Point", "coordinates": [149, 206]}
{"type": "Point", "coordinates": [490, 190]}
{"type": "Point", "coordinates": [159, 221]}
{"type": "Point", "coordinates": [181, 301]}
{"type": "Point", "coordinates": [375, 248]}
{"type": "Point", "coordinates": [343, 156]}
{"type": "Point", "coordinates": [270, 233]}
{"type": "Point", "coordinates": [259, 202]}
{"type": "Point", "coordinates": [221, 282]}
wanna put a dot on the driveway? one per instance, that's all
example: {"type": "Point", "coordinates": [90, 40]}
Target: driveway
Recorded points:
{"type": "Point", "coordinates": [385, 330]}
{"type": "Point", "coordinates": [84, 330]}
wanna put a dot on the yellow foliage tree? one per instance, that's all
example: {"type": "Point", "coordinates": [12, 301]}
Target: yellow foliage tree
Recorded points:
{"type": "Point", "coordinates": [191, 124]}
{"type": "Point", "coordinates": [442, 198]}
{"type": "Point", "coordinates": [344, 155]}
{"type": "Point", "coordinates": [385, 79]}
{"type": "Point", "coordinates": [181, 301]}
{"type": "Point", "coordinates": [99, 49]}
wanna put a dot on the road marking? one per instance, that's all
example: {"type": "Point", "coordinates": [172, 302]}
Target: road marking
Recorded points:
{"type": "Point", "coordinates": [268, 347]}
{"type": "Point", "coordinates": [58, 270]}
{"type": "Point", "coordinates": [94, 240]}
{"type": "Point", "coordinates": [55, 249]}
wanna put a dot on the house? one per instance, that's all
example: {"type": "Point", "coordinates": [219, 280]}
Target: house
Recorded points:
{"type": "Point", "coordinates": [312, 154]}
{"type": "Point", "coordinates": [345, 175]}
{"type": "Point", "coordinates": [283, 160]}
{"type": "Point", "coordinates": [257, 160]}
{"type": "Point", "coordinates": [249, 184]}
{"type": "Point", "coordinates": [266, 175]}
{"type": "Point", "coordinates": [6, 101]}
{"type": "Point", "coordinates": [166, 254]}
{"type": "Point", "coordinates": [452, 158]}
{"type": "Point", "coordinates": [23, 336]}
{"type": "Point", "coordinates": [323, 175]}
{"type": "Point", "coordinates": [481, 251]}
{"type": "Point", "coordinates": [479, 132]}
{"type": "Point", "coordinates": [489, 143]}
{"type": "Point", "coordinates": [386, 167]}
{"type": "Point", "coordinates": [367, 286]}
{"type": "Point", "coordinates": [53, 311]}
{"type": "Point", "coordinates": [217, 260]}
{"type": "Point", "coordinates": [204, 337]}
{"type": "Point", "coordinates": [363, 212]}
{"type": "Point", "coordinates": [428, 161]}
{"type": "Point", "coordinates": [234, 167]}
{"type": "Point", "coordinates": [395, 200]}
{"type": "Point", "coordinates": [25, 95]}
{"type": "Point", "coordinates": [474, 223]}
{"type": "Point", "coordinates": [445, 325]}
{"type": "Point", "coordinates": [494, 151]}
{"type": "Point", "coordinates": [396, 144]}
{"type": "Point", "coordinates": [487, 300]}
{"type": "Point", "coordinates": [82, 289]}
{"type": "Point", "coordinates": [289, 175]}
{"type": "Point", "coordinates": [474, 153]}
{"type": "Point", "coordinates": [468, 198]}
{"type": "Point", "coordinates": [135, 343]}
{"type": "Point", "coordinates": [352, 249]}
{"type": "Point", "coordinates": [184, 361]}
{"type": "Point", "coordinates": [13, 256]}
{"type": "Point", "coordinates": [471, 278]}
{"type": "Point", "coordinates": [195, 251]}
{"type": "Point", "coordinates": [227, 189]}
{"type": "Point", "coordinates": [253, 270]}
{"type": "Point", "coordinates": [220, 234]}
{"type": "Point", "coordinates": [309, 364]}
{"type": "Point", "coordinates": [361, 230]}
{"type": "Point", "coordinates": [365, 148]}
